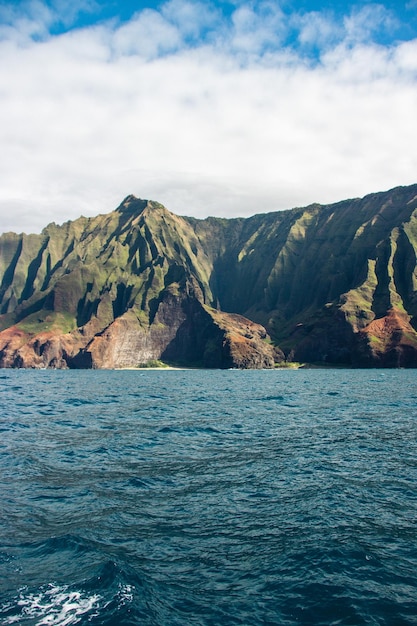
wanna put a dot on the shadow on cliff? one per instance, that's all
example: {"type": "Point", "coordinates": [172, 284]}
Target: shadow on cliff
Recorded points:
{"type": "Point", "coordinates": [198, 341]}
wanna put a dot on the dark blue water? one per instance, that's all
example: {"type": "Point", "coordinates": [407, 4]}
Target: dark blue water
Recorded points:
{"type": "Point", "coordinates": [208, 497]}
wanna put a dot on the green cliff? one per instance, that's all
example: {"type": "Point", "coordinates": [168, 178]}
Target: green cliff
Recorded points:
{"type": "Point", "coordinates": [333, 284]}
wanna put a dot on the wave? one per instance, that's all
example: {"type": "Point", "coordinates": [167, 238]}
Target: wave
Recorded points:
{"type": "Point", "coordinates": [106, 598]}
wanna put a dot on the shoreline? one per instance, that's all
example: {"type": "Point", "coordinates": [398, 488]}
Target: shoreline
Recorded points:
{"type": "Point", "coordinates": [144, 369]}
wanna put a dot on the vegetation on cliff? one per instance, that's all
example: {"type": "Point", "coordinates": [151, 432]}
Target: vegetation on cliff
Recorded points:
{"type": "Point", "coordinates": [333, 284]}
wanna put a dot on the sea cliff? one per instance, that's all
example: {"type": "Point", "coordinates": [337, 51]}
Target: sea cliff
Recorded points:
{"type": "Point", "coordinates": [332, 284]}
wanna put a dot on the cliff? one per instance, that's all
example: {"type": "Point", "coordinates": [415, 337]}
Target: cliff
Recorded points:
{"type": "Point", "coordinates": [332, 284]}
{"type": "Point", "coordinates": [118, 290]}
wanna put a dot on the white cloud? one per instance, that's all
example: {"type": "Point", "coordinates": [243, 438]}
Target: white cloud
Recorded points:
{"type": "Point", "coordinates": [24, 26]}
{"type": "Point", "coordinates": [405, 59]}
{"type": "Point", "coordinates": [33, 19]}
{"type": "Point", "coordinates": [257, 27]}
{"type": "Point", "coordinates": [148, 35]}
{"type": "Point", "coordinates": [67, 12]}
{"type": "Point", "coordinates": [191, 18]}
{"type": "Point", "coordinates": [364, 22]}
{"type": "Point", "coordinates": [318, 29]}
{"type": "Point", "coordinates": [92, 115]}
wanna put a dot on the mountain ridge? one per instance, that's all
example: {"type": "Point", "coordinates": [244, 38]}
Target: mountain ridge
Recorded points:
{"type": "Point", "coordinates": [332, 283]}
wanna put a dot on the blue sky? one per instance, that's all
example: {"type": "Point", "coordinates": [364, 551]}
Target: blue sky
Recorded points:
{"type": "Point", "coordinates": [86, 13]}
{"type": "Point", "coordinates": [221, 108]}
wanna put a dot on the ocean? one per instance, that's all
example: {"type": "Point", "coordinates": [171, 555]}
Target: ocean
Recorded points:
{"type": "Point", "coordinates": [208, 498]}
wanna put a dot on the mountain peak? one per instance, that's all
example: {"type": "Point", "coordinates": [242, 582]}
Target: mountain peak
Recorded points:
{"type": "Point", "coordinates": [132, 204]}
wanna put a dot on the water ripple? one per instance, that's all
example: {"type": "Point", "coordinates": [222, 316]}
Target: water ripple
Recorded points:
{"type": "Point", "coordinates": [207, 498]}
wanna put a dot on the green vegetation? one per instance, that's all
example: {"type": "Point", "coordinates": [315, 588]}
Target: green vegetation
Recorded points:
{"type": "Point", "coordinates": [47, 321]}
{"type": "Point", "coordinates": [152, 364]}
{"type": "Point", "coordinates": [358, 302]}
{"type": "Point", "coordinates": [289, 365]}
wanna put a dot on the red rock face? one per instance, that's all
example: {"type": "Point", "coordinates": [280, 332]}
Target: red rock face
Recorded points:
{"type": "Point", "coordinates": [392, 340]}
{"type": "Point", "coordinates": [245, 342]}
{"type": "Point", "coordinates": [19, 349]}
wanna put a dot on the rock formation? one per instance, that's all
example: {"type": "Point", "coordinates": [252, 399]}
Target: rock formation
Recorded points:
{"type": "Point", "coordinates": [331, 284]}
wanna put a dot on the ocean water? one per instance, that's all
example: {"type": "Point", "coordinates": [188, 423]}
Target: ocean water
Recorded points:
{"type": "Point", "coordinates": [206, 498]}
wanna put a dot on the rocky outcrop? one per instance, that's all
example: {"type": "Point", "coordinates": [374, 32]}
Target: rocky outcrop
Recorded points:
{"type": "Point", "coordinates": [334, 284]}
{"type": "Point", "coordinates": [390, 341]}
{"type": "Point", "coordinates": [183, 331]}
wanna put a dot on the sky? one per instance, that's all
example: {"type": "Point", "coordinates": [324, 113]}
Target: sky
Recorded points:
{"type": "Point", "coordinates": [223, 107]}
